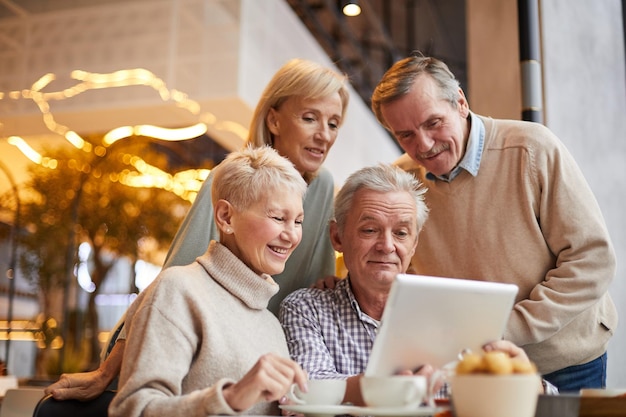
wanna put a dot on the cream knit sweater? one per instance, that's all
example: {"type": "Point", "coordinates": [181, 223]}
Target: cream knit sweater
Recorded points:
{"type": "Point", "coordinates": [195, 328]}
{"type": "Point", "coordinates": [528, 218]}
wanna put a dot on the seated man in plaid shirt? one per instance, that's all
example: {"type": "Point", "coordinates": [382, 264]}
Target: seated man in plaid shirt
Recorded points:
{"type": "Point", "coordinates": [378, 215]}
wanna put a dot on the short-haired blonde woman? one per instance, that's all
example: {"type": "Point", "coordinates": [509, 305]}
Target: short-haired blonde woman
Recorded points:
{"type": "Point", "coordinates": [200, 338]}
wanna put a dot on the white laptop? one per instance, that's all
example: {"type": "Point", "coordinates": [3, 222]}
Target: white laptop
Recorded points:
{"type": "Point", "coordinates": [430, 320]}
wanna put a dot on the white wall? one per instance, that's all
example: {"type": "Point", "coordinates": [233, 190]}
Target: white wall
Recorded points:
{"type": "Point", "coordinates": [585, 105]}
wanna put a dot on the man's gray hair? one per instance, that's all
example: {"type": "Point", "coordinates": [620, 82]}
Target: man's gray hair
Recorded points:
{"type": "Point", "coordinates": [381, 178]}
{"type": "Point", "coordinates": [400, 78]}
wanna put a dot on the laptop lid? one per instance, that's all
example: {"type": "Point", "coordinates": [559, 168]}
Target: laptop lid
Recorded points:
{"type": "Point", "coordinates": [430, 320]}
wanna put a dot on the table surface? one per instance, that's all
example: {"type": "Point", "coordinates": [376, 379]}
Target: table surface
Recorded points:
{"type": "Point", "coordinates": [602, 407]}
{"type": "Point", "coordinates": [566, 405]}
{"type": "Point", "coordinates": [573, 405]}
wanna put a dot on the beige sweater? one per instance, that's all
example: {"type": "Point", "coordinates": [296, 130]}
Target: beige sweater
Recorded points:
{"type": "Point", "coordinates": [529, 218]}
{"type": "Point", "coordinates": [195, 328]}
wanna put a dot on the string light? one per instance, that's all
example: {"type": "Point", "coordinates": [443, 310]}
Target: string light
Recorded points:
{"type": "Point", "coordinates": [26, 149]}
{"type": "Point", "coordinates": [185, 184]}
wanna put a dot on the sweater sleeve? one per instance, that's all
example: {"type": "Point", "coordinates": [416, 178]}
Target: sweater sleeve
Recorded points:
{"type": "Point", "coordinates": [572, 224]}
{"type": "Point", "coordinates": [158, 355]}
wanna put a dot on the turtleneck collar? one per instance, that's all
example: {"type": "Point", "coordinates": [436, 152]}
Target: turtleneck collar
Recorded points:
{"type": "Point", "coordinates": [231, 273]}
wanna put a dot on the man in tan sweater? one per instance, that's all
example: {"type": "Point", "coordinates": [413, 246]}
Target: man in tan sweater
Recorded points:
{"type": "Point", "coordinates": [508, 203]}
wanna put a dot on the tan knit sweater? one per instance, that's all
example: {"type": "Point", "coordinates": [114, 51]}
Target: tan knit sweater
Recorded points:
{"type": "Point", "coordinates": [195, 328]}
{"type": "Point", "coordinates": [529, 218]}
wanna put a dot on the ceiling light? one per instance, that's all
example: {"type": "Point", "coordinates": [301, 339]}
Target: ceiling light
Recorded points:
{"type": "Point", "coordinates": [350, 7]}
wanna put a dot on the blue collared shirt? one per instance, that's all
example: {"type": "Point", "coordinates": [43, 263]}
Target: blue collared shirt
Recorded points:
{"type": "Point", "coordinates": [473, 151]}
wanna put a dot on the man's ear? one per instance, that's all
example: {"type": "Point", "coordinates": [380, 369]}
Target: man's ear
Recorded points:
{"type": "Point", "coordinates": [462, 104]}
{"type": "Point", "coordinates": [414, 248]}
{"type": "Point", "coordinates": [335, 239]}
{"type": "Point", "coordinates": [271, 121]}
{"type": "Point", "coordinates": [223, 215]}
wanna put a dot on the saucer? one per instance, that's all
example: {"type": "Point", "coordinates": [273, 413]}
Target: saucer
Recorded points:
{"type": "Point", "coordinates": [333, 410]}
{"type": "Point", "coordinates": [397, 411]}
{"type": "Point", "coordinates": [318, 410]}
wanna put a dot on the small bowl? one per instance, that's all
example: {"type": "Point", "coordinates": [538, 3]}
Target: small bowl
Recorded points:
{"type": "Point", "coordinates": [486, 395]}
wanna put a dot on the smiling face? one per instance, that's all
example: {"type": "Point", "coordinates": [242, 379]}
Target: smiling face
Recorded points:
{"type": "Point", "coordinates": [304, 130]}
{"type": "Point", "coordinates": [378, 239]}
{"type": "Point", "coordinates": [427, 127]}
{"type": "Point", "coordinates": [265, 234]}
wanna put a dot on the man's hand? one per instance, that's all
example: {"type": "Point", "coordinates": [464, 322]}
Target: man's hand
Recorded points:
{"type": "Point", "coordinates": [510, 348]}
{"type": "Point", "coordinates": [517, 353]}
{"type": "Point", "coordinates": [327, 282]}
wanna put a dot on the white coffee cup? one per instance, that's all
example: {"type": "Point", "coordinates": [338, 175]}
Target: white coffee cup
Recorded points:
{"type": "Point", "coordinates": [405, 391]}
{"type": "Point", "coordinates": [6, 383]}
{"type": "Point", "coordinates": [320, 392]}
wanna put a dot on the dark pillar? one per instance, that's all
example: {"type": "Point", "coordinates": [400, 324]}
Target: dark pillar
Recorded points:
{"type": "Point", "coordinates": [530, 60]}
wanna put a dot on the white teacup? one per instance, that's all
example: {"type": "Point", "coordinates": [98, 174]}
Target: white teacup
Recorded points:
{"type": "Point", "coordinates": [321, 392]}
{"type": "Point", "coordinates": [6, 383]}
{"type": "Point", "coordinates": [405, 391]}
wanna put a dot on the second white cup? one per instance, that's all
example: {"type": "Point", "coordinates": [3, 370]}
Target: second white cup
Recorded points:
{"type": "Point", "coordinates": [393, 391]}
{"type": "Point", "coordinates": [321, 392]}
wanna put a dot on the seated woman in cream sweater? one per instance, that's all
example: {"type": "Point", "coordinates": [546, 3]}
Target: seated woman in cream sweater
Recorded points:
{"type": "Point", "coordinates": [207, 344]}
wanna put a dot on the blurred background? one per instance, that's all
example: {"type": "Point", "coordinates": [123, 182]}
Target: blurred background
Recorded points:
{"type": "Point", "coordinates": [112, 113]}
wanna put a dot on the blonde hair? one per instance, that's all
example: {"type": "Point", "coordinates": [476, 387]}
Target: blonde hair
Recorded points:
{"type": "Point", "coordinates": [297, 78]}
{"type": "Point", "coordinates": [250, 175]}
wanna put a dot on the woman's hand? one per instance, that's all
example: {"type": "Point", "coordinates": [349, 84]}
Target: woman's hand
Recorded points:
{"type": "Point", "coordinates": [85, 386]}
{"type": "Point", "coordinates": [268, 380]}
{"type": "Point", "coordinates": [82, 386]}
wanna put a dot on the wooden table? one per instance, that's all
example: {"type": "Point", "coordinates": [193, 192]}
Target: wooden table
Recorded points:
{"type": "Point", "coordinates": [602, 407]}
{"type": "Point", "coordinates": [573, 405]}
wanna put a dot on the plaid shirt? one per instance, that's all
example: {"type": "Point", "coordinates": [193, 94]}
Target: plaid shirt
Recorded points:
{"type": "Point", "coordinates": [327, 333]}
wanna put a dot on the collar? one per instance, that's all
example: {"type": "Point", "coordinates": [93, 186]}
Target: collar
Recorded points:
{"type": "Point", "coordinates": [473, 151]}
{"type": "Point", "coordinates": [231, 273]}
{"type": "Point", "coordinates": [355, 304]}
